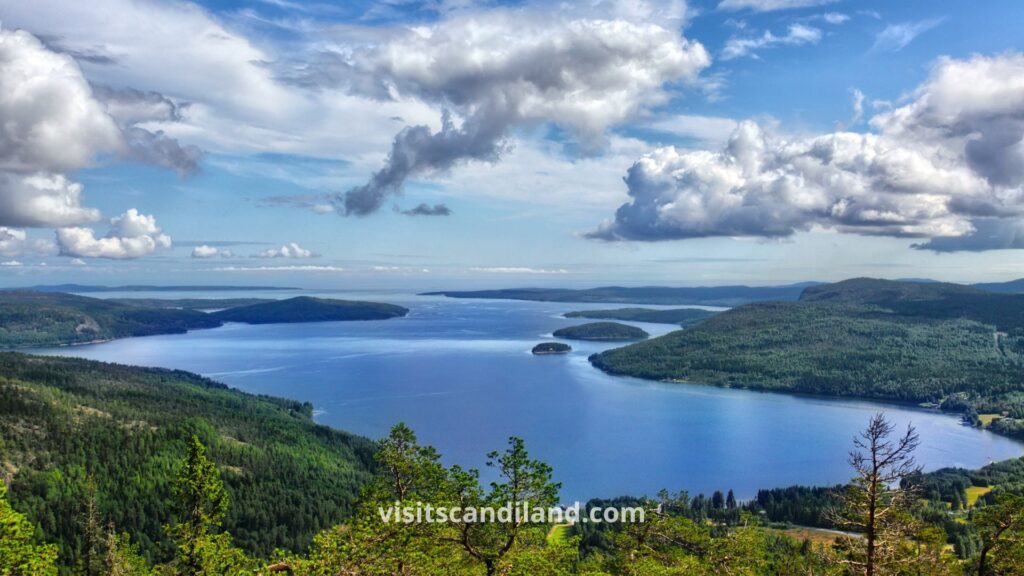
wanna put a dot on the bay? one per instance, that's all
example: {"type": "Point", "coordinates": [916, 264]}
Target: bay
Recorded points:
{"type": "Point", "coordinates": [460, 373]}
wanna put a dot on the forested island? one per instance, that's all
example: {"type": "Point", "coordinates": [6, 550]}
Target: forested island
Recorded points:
{"type": "Point", "coordinates": [947, 345]}
{"type": "Point", "coordinates": [551, 348]}
{"type": "Point", "coordinates": [37, 319]}
{"type": "Point", "coordinates": [684, 317]}
{"type": "Point", "coordinates": [607, 331]}
{"type": "Point", "coordinates": [112, 470]}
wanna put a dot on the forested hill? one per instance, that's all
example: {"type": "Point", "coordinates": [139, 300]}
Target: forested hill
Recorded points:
{"type": "Point", "coordinates": [64, 421]}
{"type": "Point", "coordinates": [29, 318]}
{"type": "Point", "coordinates": [923, 342]}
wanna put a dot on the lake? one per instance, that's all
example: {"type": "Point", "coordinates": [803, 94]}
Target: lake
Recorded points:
{"type": "Point", "coordinates": [460, 373]}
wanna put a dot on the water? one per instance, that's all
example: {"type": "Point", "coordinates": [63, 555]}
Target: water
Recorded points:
{"type": "Point", "coordinates": [460, 373]}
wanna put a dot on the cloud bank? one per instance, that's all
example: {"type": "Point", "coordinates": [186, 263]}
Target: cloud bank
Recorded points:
{"type": "Point", "coordinates": [948, 164]}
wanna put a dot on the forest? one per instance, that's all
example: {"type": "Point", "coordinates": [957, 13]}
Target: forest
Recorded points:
{"type": "Point", "coordinates": [601, 331]}
{"type": "Point", "coordinates": [209, 520]}
{"type": "Point", "coordinates": [944, 345]}
{"type": "Point", "coordinates": [38, 319]}
{"type": "Point", "coordinates": [69, 427]}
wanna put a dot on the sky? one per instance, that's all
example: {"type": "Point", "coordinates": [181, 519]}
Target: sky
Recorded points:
{"type": "Point", "coordinates": [459, 144]}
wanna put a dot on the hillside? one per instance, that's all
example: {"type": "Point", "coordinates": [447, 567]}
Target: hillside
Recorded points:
{"type": "Point", "coordinates": [914, 342]}
{"type": "Point", "coordinates": [48, 319]}
{"type": "Point", "coordinates": [704, 295]}
{"type": "Point", "coordinates": [308, 309]}
{"type": "Point", "coordinates": [601, 331]}
{"type": "Point", "coordinates": [63, 420]}
{"type": "Point", "coordinates": [38, 319]}
{"type": "Point", "coordinates": [684, 317]}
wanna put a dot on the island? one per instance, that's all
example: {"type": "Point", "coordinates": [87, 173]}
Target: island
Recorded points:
{"type": "Point", "coordinates": [948, 345]}
{"type": "Point", "coordinates": [684, 317]}
{"type": "Point", "coordinates": [38, 319]}
{"type": "Point", "coordinates": [546, 348]}
{"type": "Point", "coordinates": [309, 309]}
{"type": "Point", "coordinates": [606, 331]}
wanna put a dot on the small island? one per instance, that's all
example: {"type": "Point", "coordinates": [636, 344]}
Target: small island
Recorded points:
{"type": "Point", "coordinates": [606, 331]}
{"type": "Point", "coordinates": [545, 348]}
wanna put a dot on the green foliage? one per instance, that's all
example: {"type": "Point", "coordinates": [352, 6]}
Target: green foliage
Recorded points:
{"type": "Point", "coordinates": [308, 309]}
{"type": "Point", "coordinates": [20, 555]}
{"type": "Point", "coordinates": [685, 317]}
{"type": "Point", "coordinates": [37, 319]}
{"type": "Point", "coordinates": [933, 343]}
{"type": "Point", "coordinates": [552, 348]}
{"type": "Point", "coordinates": [601, 331]}
{"type": "Point", "coordinates": [50, 319]}
{"type": "Point", "coordinates": [66, 420]}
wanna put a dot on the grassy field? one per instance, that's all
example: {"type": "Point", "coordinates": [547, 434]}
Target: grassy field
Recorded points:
{"type": "Point", "coordinates": [987, 419]}
{"type": "Point", "coordinates": [975, 492]}
{"type": "Point", "coordinates": [558, 533]}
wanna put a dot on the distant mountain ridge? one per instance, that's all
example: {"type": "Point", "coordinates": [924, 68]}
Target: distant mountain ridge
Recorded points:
{"type": "Point", "coordinates": [661, 295]}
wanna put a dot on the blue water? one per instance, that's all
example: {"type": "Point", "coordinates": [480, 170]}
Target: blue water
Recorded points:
{"type": "Point", "coordinates": [460, 373]}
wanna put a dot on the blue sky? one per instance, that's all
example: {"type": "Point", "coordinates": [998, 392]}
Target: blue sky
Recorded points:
{"type": "Point", "coordinates": [605, 142]}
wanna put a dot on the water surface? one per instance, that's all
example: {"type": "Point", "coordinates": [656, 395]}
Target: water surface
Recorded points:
{"type": "Point", "coordinates": [460, 373]}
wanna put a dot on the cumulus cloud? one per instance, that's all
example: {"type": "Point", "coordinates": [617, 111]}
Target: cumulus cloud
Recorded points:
{"type": "Point", "coordinates": [798, 34]}
{"type": "Point", "coordinates": [50, 124]}
{"type": "Point", "coordinates": [506, 68]}
{"type": "Point", "coordinates": [42, 200]}
{"type": "Point", "coordinates": [12, 241]}
{"type": "Point", "coordinates": [428, 210]}
{"type": "Point", "coordinates": [290, 250]}
{"type": "Point", "coordinates": [770, 5]}
{"type": "Point", "coordinates": [896, 37]}
{"type": "Point", "coordinates": [950, 157]}
{"type": "Point", "coordinates": [131, 235]}
{"type": "Point", "coordinates": [204, 251]}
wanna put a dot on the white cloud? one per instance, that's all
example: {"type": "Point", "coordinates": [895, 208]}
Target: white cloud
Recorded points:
{"type": "Point", "coordinates": [290, 250]}
{"type": "Point", "coordinates": [42, 200]}
{"type": "Point", "coordinates": [770, 5]}
{"type": "Point", "coordinates": [12, 241]}
{"type": "Point", "coordinates": [950, 157]}
{"type": "Point", "coordinates": [205, 251]}
{"type": "Point", "coordinates": [798, 34]}
{"type": "Point", "coordinates": [518, 270]}
{"type": "Point", "coordinates": [896, 37]}
{"type": "Point", "coordinates": [706, 129]}
{"type": "Point", "coordinates": [835, 17]}
{"type": "Point", "coordinates": [51, 122]}
{"type": "Point", "coordinates": [507, 68]}
{"type": "Point", "coordinates": [302, 268]}
{"type": "Point", "coordinates": [131, 235]}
